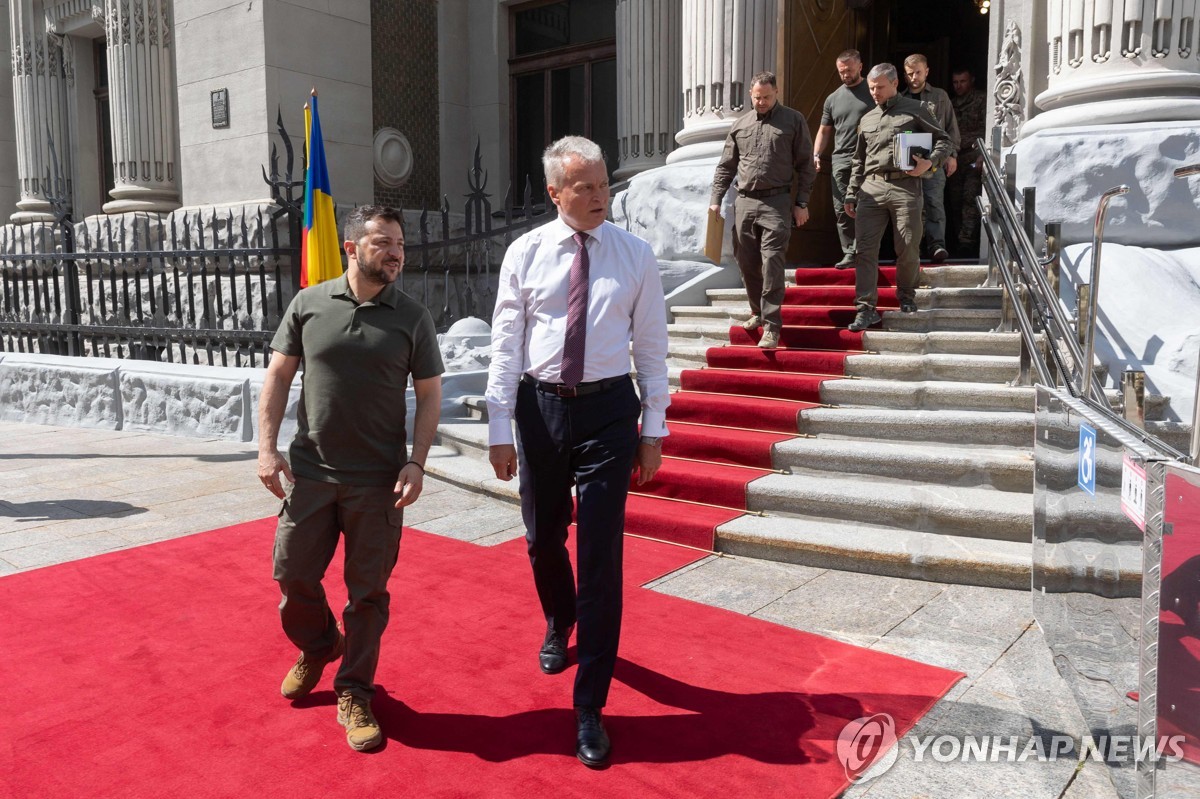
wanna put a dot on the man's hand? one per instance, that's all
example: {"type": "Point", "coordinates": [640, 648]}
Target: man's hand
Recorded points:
{"type": "Point", "coordinates": [849, 209]}
{"type": "Point", "coordinates": [799, 215]}
{"type": "Point", "coordinates": [816, 162]}
{"type": "Point", "coordinates": [409, 485]}
{"type": "Point", "coordinates": [649, 459]}
{"type": "Point", "coordinates": [503, 458]}
{"type": "Point", "coordinates": [716, 209]}
{"type": "Point", "coordinates": [950, 165]}
{"type": "Point", "coordinates": [270, 464]}
{"type": "Point", "coordinates": [923, 165]}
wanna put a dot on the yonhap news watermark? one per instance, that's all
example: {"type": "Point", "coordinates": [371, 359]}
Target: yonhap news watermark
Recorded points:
{"type": "Point", "coordinates": [867, 747]}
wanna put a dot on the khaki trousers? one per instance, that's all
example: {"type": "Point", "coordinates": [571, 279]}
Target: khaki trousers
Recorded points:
{"type": "Point", "coordinates": [312, 518]}
{"type": "Point", "coordinates": [880, 201]}
{"type": "Point", "coordinates": [761, 230]}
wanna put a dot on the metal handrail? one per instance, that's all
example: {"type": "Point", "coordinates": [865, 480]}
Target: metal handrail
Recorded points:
{"type": "Point", "coordinates": [1023, 321]}
{"type": "Point", "coordinates": [1049, 309]}
{"type": "Point", "coordinates": [1085, 385]}
{"type": "Point", "coordinates": [1007, 234]}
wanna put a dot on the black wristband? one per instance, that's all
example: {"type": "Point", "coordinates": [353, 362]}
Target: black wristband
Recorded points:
{"type": "Point", "coordinates": [419, 466]}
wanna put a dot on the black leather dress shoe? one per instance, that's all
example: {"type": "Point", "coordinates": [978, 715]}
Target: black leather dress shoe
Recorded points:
{"type": "Point", "coordinates": [552, 658]}
{"type": "Point", "coordinates": [591, 741]}
{"type": "Point", "coordinates": [908, 306]}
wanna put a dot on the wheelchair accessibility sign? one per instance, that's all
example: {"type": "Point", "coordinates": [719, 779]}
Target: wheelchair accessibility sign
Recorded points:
{"type": "Point", "coordinates": [1087, 459]}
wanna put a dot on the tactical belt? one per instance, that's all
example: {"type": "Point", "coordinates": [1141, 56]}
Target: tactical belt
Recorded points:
{"type": "Point", "coordinates": [762, 194]}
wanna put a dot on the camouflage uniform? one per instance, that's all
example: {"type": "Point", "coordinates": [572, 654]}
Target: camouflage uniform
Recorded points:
{"type": "Point", "coordinates": [966, 184]}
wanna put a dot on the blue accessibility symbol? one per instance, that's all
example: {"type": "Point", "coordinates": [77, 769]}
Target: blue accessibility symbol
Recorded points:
{"type": "Point", "coordinates": [1087, 459]}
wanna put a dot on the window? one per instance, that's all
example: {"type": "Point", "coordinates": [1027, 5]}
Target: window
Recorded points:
{"type": "Point", "coordinates": [564, 81]}
{"type": "Point", "coordinates": [104, 147]}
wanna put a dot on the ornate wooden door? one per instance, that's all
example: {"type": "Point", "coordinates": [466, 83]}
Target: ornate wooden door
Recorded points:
{"type": "Point", "coordinates": [812, 34]}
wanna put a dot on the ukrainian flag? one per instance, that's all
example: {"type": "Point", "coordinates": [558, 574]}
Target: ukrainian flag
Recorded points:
{"type": "Point", "coordinates": [320, 250]}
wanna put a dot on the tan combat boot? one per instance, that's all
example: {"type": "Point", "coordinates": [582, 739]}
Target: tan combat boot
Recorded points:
{"type": "Point", "coordinates": [362, 730]}
{"type": "Point", "coordinates": [305, 675]}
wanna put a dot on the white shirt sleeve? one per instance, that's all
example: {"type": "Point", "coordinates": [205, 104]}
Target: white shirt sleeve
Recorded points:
{"type": "Point", "coordinates": [508, 345]}
{"type": "Point", "coordinates": [650, 347]}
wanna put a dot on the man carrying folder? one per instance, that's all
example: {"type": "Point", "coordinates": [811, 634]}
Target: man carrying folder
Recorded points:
{"type": "Point", "coordinates": [881, 191]}
{"type": "Point", "coordinates": [763, 149]}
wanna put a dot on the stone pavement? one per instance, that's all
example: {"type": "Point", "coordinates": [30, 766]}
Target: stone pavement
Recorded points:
{"type": "Point", "coordinates": [70, 493]}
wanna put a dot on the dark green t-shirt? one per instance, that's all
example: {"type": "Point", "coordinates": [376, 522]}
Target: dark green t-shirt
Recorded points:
{"type": "Point", "coordinates": [357, 361]}
{"type": "Point", "coordinates": [843, 109]}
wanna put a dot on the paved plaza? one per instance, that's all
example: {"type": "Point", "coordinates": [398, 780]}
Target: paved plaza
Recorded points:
{"type": "Point", "coordinates": [69, 493]}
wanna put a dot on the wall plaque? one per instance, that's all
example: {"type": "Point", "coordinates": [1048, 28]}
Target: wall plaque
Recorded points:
{"type": "Point", "coordinates": [220, 108]}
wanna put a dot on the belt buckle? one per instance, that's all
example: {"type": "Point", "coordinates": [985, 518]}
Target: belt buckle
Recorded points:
{"type": "Point", "coordinates": [566, 391]}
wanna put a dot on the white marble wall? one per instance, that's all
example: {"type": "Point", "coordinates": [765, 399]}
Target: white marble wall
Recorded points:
{"type": "Point", "coordinates": [250, 48]}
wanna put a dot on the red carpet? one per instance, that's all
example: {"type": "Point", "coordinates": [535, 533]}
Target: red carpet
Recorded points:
{"type": "Point", "coordinates": [805, 338]}
{"type": "Point", "coordinates": [828, 276]}
{"type": "Point", "coordinates": [834, 295]}
{"type": "Point", "coordinates": [154, 672]}
{"type": "Point", "coordinates": [821, 363]}
{"type": "Point", "coordinates": [746, 400]}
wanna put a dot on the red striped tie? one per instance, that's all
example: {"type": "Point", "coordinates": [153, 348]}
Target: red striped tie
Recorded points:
{"type": "Point", "coordinates": [577, 305]}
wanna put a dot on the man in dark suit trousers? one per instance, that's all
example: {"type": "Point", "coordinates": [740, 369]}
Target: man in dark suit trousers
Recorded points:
{"type": "Point", "coordinates": [574, 294]}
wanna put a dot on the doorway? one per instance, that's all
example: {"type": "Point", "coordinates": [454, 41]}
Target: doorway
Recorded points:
{"type": "Point", "coordinates": [952, 34]}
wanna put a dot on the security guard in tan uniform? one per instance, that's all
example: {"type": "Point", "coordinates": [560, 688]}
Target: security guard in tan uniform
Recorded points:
{"type": "Point", "coordinates": [879, 191]}
{"type": "Point", "coordinates": [763, 149]}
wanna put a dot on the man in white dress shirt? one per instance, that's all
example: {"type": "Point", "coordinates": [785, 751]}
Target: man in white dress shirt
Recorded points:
{"type": "Point", "coordinates": [574, 294]}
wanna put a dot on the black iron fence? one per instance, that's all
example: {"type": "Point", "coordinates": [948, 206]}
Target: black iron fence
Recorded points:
{"type": "Point", "coordinates": [191, 288]}
{"type": "Point", "coordinates": [211, 287]}
{"type": "Point", "coordinates": [453, 272]}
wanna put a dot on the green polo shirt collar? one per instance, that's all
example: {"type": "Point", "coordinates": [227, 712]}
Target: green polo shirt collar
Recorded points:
{"type": "Point", "coordinates": [341, 289]}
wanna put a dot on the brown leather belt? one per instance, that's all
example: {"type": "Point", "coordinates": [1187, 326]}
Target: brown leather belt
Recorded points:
{"type": "Point", "coordinates": [581, 390]}
{"type": "Point", "coordinates": [890, 174]}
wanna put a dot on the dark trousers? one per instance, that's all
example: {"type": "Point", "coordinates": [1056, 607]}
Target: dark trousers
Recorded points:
{"type": "Point", "coordinates": [589, 441]}
{"type": "Point", "coordinates": [845, 223]}
{"type": "Point", "coordinates": [761, 230]}
{"type": "Point", "coordinates": [310, 522]}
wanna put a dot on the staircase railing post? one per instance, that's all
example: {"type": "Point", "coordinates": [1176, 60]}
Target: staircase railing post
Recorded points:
{"type": "Point", "coordinates": [1054, 254]}
{"type": "Point", "coordinates": [1083, 302]}
{"type": "Point", "coordinates": [1133, 397]}
{"type": "Point", "coordinates": [1029, 209]}
{"type": "Point", "coordinates": [1195, 451]}
{"type": "Point", "coordinates": [1086, 388]}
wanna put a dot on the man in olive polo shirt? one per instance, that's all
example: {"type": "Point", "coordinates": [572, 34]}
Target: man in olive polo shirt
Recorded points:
{"type": "Point", "coordinates": [360, 339]}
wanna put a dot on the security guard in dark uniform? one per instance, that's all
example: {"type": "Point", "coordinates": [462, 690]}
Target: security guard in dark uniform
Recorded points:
{"type": "Point", "coordinates": [762, 150]}
{"type": "Point", "coordinates": [880, 192]}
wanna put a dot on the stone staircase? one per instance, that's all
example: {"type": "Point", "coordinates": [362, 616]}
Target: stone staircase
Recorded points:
{"type": "Point", "coordinates": [917, 464]}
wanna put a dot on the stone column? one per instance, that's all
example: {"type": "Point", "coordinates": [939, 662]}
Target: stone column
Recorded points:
{"type": "Point", "coordinates": [1113, 61]}
{"type": "Point", "coordinates": [649, 104]}
{"type": "Point", "coordinates": [725, 42]}
{"type": "Point", "coordinates": [42, 72]}
{"type": "Point", "coordinates": [141, 80]}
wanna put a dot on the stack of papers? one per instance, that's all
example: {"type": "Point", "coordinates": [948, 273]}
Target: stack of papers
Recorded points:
{"type": "Point", "coordinates": [902, 147]}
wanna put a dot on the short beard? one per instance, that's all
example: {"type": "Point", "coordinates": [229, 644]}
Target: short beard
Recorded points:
{"type": "Point", "coordinates": [375, 274]}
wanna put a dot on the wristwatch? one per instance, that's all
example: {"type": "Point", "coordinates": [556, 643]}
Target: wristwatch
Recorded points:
{"type": "Point", "coordinates": [802, 205]}
{"type": "Point", "coordinates": [654, 441]}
